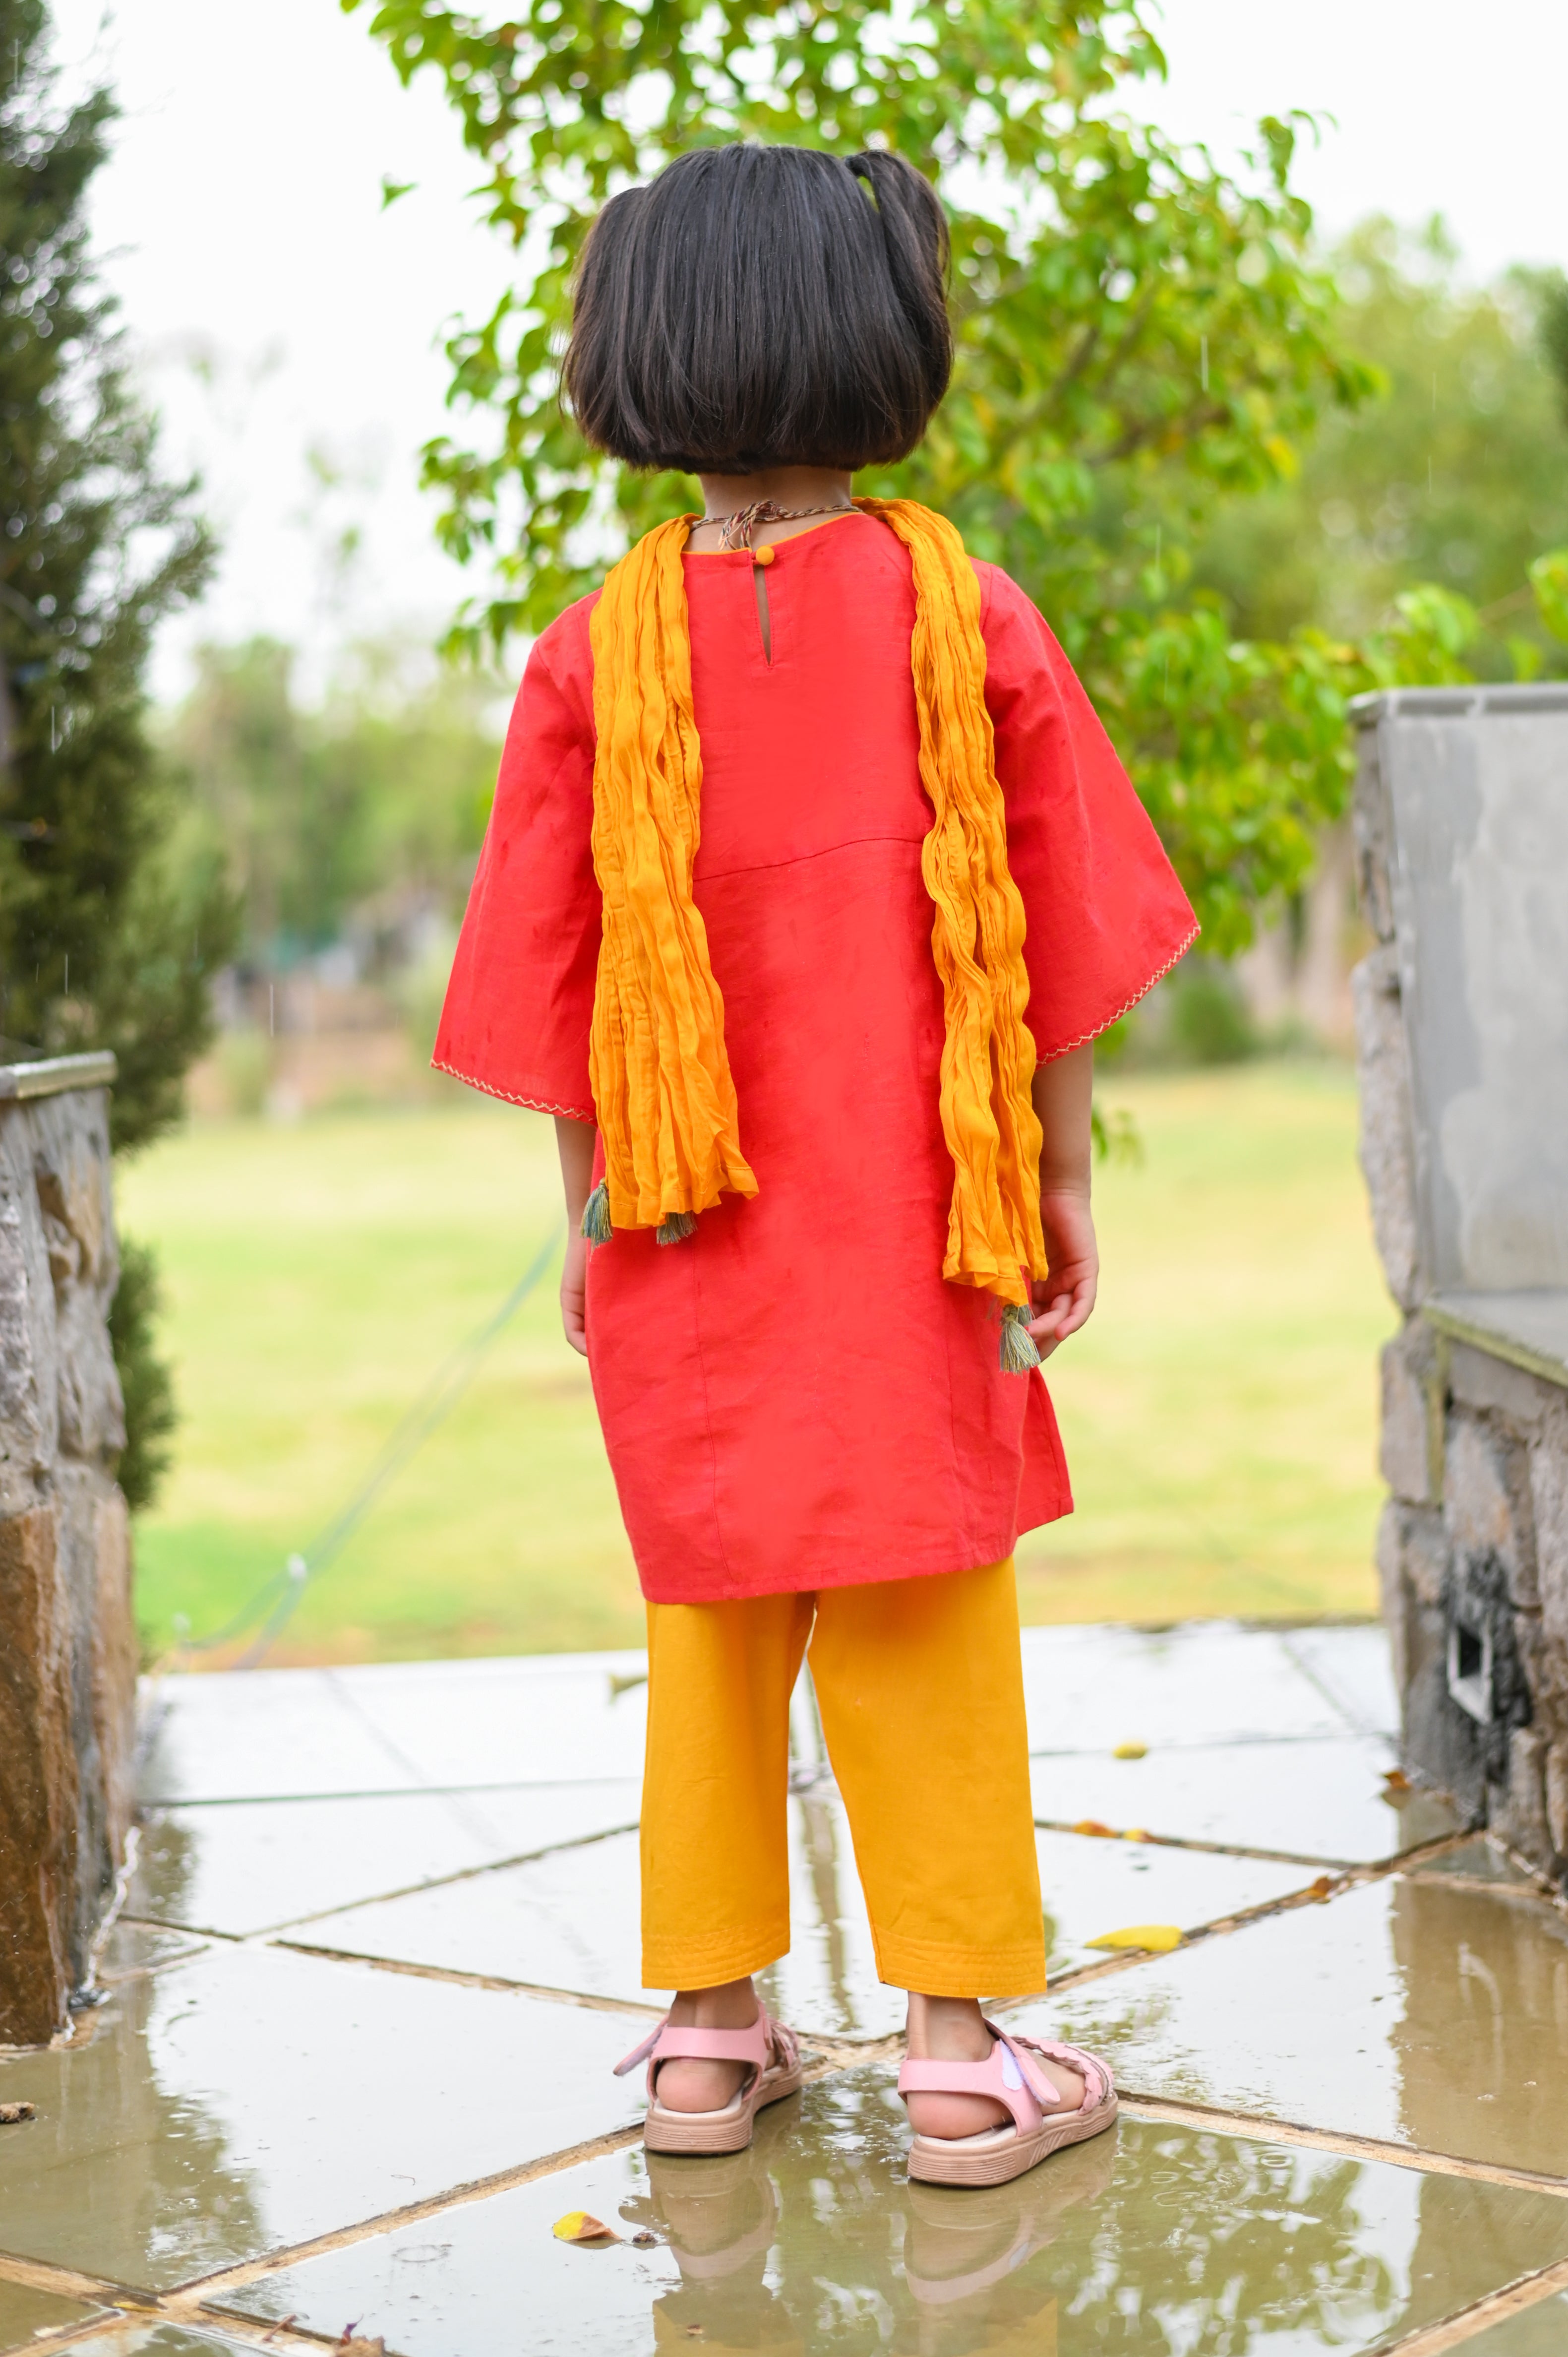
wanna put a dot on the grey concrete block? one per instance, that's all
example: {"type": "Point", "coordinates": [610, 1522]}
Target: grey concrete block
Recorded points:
{"type": "Point", "coordinates": [1387, 1150]}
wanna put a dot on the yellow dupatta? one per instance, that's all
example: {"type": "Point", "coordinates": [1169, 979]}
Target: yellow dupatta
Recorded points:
{"type": "Point", "coordinates": [662, 1091]}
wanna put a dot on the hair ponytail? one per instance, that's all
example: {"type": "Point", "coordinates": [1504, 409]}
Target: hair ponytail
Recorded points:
{"type": "Point", "coordinates": [914, 234]}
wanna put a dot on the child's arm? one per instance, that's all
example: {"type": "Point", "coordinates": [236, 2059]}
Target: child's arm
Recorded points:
{"type": "Point", "coordinates": [1063, 1093]}
{"type": "Point", "coordinates": [574, 1144]}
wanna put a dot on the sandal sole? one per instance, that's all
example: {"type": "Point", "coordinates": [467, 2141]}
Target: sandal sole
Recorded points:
{"type": "Point", "coordinates": [696, 2132]}
{"type": "Point", "coordinates": [934, 2162]}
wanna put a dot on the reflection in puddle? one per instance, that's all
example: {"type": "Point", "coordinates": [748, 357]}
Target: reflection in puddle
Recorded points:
{"type": "Point", "coordinates": [1150, 2239]}
{"type": "Point", "coordinates": [1157, 2240]}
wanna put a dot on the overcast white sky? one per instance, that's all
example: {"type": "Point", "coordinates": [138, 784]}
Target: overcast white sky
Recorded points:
{"type": "Point", "coordinates": [279, 310]}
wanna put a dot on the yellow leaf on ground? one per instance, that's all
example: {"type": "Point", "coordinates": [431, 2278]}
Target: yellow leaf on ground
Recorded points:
{"type": "Point", "coordinates": [582, 2227]}
{"type": "Point", "coordinates": [1093, 1825]}
{"type": "Point", "coordinates": [1158, 1938]}
{"type": "Point", "coordinates": [1134, 1832]}
{"type": "Point", "coordinates": [1130, 1751]}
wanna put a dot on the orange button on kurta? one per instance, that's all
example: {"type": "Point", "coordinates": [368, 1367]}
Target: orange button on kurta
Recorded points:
{"type": "Point", "coordinates": [794, 1398]}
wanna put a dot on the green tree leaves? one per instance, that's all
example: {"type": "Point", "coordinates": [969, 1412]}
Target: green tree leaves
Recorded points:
{"type": "Point", "coordinates": [97, 946]}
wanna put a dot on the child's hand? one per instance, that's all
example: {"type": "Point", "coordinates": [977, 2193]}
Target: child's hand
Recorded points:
{"type": "Point", "coordinates": [573, 1292]}
{"type": "Point", "coordinates": [1064, 1300]}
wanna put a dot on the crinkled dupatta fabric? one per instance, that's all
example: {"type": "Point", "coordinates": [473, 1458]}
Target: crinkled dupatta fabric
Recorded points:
{"type": "Point", "coordinates": [662, 1091]}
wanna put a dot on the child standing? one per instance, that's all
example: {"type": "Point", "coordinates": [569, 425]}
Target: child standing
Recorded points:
{"type": "Point", "coordinates": [810, 878]}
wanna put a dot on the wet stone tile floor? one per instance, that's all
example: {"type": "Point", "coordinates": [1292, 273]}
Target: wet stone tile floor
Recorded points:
{"type": "Point", "coordinates": [352, 2058]}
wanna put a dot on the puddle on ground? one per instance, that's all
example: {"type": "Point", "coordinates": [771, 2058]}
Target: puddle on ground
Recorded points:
{"type": "Point", "coordinates": [1315, 1798]}
{"type": "Point", "coordinates": [249, 1866]}
{"type": "Point", "coordinates": [1430, 2011]}
{"type": "Point", "coordinates": [249, 2099]}
{"type": "Point", "coordinates": [1152, 2239]}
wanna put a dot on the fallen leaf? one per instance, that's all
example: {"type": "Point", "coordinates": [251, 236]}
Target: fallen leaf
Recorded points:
{"type": "Point", "coordinates": [10, 2113]}
{"type": "Point", "coordinates": [645, 2241]}
{"type": "Point", "coordinates": [1322, 1887]}
{"type": "Point", "coordinates": [582, 2227]}
{"type": "Point", "coordinates": [1130, 1751]}
{"type": "Point", "coordinates": [1158, 1938]}
{"type": "Point", "coordinates": [1397, 1781]}
{"type": "Point", "coordinates": [1093, 1826]}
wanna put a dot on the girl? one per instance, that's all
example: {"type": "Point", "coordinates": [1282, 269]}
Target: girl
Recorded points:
{"type": "Point", "coordinates": [810, 878]}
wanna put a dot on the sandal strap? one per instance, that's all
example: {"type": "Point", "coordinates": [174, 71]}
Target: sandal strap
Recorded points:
{"type": "Point", "coordinates": [756, 2046]}
{"type": "Point", "coordinates": [1011, 2075]}
{"type": "Point", "coordinates": [1098, 2083]}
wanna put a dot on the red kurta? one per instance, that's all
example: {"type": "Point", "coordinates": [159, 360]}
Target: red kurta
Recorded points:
{"type": "Point", "coordinates": [795, 1398]}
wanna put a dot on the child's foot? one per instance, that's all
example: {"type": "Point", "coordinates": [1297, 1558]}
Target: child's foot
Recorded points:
{"type": "Point", "coordinates": [952, 2029]}
{"type": "Point", "coordinates": [689, 2084]}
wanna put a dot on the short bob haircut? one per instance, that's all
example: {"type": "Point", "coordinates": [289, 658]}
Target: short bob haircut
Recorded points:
{"type": "Point", "coordinates": [759, 307]}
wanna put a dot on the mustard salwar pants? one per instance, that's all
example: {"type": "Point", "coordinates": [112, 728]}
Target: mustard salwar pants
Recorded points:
{"type": "Point", "coordinates": [921, 1686]}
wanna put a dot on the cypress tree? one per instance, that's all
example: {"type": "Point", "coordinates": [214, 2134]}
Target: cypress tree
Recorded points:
{"type": "Point", "coordinates": [101, 945]}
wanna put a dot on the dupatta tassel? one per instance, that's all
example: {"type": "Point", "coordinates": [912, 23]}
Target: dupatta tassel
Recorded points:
{"type": "Point", "coordinates": [596, 1216]}
{"type": "Point", "coordinates": [675, 1228]}
{"type": "Point", "coordinates": [1019, 1350]}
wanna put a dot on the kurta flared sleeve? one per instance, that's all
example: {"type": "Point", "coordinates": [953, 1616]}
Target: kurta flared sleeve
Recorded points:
{"type": "Point", "coordinates": [1105, 915]}
{"type": "Point", "coordinates": [520, 1000]}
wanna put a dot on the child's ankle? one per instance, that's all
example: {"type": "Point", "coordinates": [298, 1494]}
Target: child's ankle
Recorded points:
{"type": "Point", "coordinates": [729, 2005]}
{"type": "Point", "coordinates": [947, 2028]}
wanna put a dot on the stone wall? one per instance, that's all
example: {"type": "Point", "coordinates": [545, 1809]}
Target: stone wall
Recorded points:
{"type": "Point", "coordinates": [1473, 1545]}
{"type": "Point", "coordinates": [67, 1655]}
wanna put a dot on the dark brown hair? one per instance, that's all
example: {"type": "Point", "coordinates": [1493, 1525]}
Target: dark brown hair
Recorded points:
{"type": "Point", "coordinates": [762, 306]}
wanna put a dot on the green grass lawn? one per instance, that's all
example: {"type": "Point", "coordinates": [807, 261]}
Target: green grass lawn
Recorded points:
{"type": "Point", "coordinates": [1219, 1413]}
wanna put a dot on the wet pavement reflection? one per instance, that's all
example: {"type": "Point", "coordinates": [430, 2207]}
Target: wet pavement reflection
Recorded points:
{"type": "Point", "coordinates": [1429, 2010]}
{"type": "Point", "coordinates": [250, 2087]}
{"type": "Point", "coordinates": [245, 2099]}
{"type": "Point", "coordinates": [1154, 2239]}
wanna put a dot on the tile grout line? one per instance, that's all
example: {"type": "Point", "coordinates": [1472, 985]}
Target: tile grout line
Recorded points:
{"type": "Point", "coordinates": [71, 2283]}
{"type": "Point", "coordinates": [455, 1976]}
{"type": "Point", "coordinates": [1514, 2299]}
{"type": "Point", "coordinates": [1205, 1848]}
{"type": "Point", "coordinates": [175, 1801]}
{"type": "Point", "coordinates": [447, 1882]}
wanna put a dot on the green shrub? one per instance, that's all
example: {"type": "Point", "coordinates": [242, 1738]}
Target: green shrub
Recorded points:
{"type": "Point", "coordinates": [151, 1415]}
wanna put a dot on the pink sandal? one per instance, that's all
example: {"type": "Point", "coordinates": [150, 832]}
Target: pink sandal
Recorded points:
{"type": "Point", "coordinates": [774, 2054]}
{"type": "Point", "coordinates": [1011, 2076]}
